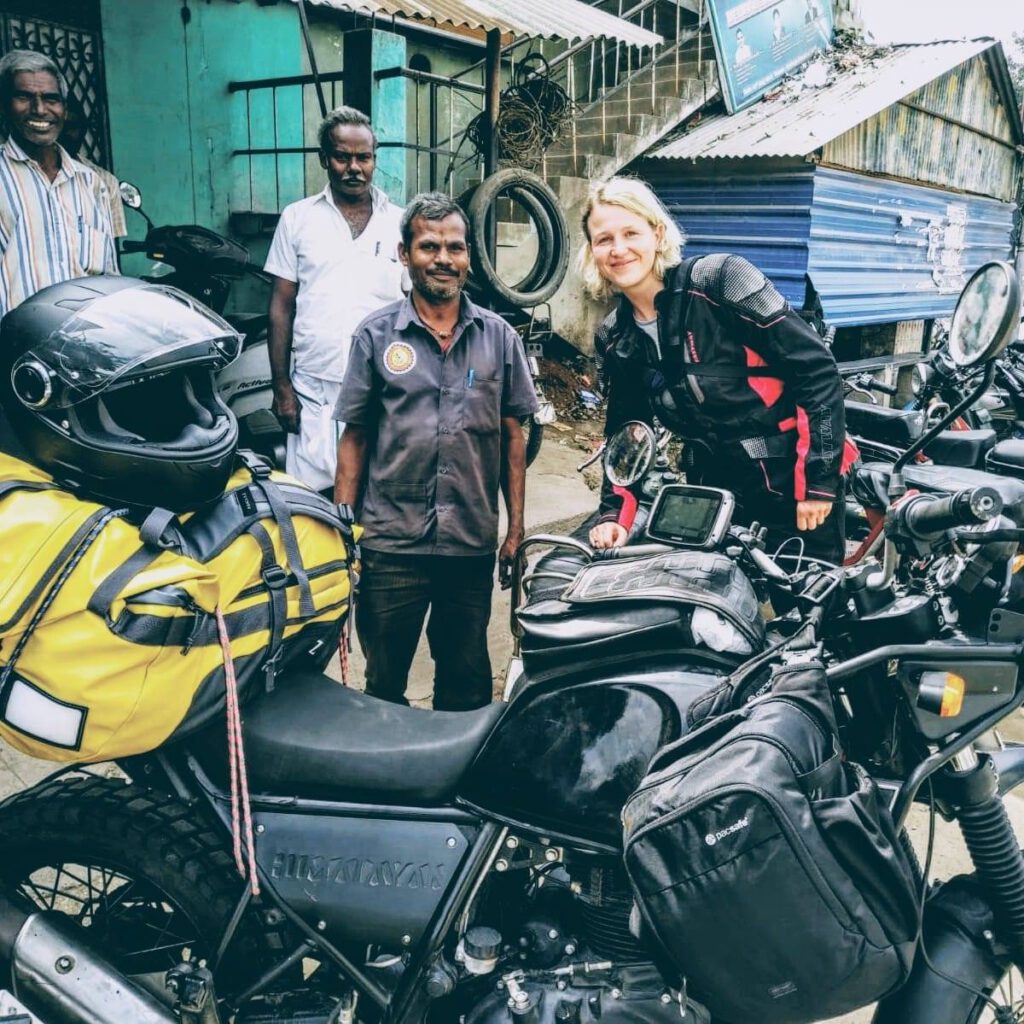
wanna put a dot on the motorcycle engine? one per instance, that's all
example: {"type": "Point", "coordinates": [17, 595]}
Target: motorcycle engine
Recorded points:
{"type": "Point", "coordinates": [578, 961]}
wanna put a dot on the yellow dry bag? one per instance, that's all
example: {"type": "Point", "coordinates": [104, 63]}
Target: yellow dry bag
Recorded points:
{"type": "Point", "coordinates": [108, 633]}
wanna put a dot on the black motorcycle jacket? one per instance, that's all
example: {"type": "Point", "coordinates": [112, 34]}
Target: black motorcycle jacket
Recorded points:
{"type": "Point", "coordinates": [735, 368]}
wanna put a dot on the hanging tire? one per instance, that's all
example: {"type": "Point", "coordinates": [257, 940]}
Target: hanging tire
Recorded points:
{"type": "Point", "coordinates": [535, 195]}
{"type": "Point", "coordinates": [141, 873]}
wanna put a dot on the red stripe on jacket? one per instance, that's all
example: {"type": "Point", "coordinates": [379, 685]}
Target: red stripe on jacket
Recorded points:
{"type": "Point", "coordinates": [803, 446]}
{"type": "Point", "coordinates": [768, 389]}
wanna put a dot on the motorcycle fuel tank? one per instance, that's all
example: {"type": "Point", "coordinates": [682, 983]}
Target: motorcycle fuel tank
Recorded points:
{"type": "Point", "coordinates": [565, 757]}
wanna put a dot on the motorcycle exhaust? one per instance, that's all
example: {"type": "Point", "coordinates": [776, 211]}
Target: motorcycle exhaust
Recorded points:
{"type": "Point", "coordinates": [62, 981]}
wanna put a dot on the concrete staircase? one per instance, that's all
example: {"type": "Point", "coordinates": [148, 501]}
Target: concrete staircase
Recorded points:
{"type": "Point", "coordinates": [630, 118]}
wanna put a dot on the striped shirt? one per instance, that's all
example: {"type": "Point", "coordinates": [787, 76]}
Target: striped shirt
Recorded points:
{"type": "Point", "coordinates": [50, 231]}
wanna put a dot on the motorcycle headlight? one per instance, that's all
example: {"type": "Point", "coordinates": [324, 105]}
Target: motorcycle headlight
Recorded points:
{"type": "Point", "coordinates": [919, 377]}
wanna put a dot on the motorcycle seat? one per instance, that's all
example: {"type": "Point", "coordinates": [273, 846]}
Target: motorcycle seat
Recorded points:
{"type": "Point", "coordinates": [312, 737]}
{"type": "Point", "coordinates": [870, 483]}
{"type": "Point", "coordinates": [965, 448]}
{"type": "Point", "coordinates": [899, 427]}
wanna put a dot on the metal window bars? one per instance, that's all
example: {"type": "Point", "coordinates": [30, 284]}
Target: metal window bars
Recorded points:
{"type": "Point", "coordinates": [611, 84]}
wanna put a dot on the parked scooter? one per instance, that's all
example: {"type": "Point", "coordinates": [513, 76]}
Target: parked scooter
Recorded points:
{"type": "Point", "coordinates": [427, 866]}
{"type": "Point", "coordinates": [206, 265]}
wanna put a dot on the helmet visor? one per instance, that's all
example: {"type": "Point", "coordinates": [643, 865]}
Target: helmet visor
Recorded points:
{"type": "Point", "coordinates": [130, 334]}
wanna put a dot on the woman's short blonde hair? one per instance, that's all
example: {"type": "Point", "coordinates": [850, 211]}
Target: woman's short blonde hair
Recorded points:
{"type": "Point", "coordinates": [636, 196]}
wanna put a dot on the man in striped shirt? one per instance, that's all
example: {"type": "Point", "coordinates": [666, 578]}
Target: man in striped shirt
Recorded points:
{"type": "Point", "coordinates": [54, 212]}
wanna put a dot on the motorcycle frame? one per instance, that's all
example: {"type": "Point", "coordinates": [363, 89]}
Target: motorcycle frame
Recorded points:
{"type": "Point", "coordinates": [406, 1004]}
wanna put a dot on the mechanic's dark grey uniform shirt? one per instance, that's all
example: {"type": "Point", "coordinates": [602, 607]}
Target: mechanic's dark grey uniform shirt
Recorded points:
{"type": "Point", "coordinates": [433, 423]}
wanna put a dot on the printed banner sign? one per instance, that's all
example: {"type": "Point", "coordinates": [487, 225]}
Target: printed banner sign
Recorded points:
{"type": "Point", "coordinates": [760, 41]}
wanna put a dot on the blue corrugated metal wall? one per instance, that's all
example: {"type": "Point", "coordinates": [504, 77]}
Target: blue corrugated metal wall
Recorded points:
{"type": "Point", "coordinates": [883, 250]}
{"type": "Point", "coordinates": [877, 251]}
{"type": "Point", "coordinates": [764, 216]}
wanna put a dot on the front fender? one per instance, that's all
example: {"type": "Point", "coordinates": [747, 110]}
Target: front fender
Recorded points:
{"type": "Point", "coordinates": [957, 923]}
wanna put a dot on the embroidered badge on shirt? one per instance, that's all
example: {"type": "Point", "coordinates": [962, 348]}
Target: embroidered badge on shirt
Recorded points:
{"type": "Point", "coordinates": [399, 357]}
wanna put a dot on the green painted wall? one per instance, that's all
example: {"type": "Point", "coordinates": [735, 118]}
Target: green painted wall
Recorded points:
{"type": "Point", "coordinates": [173, 123]}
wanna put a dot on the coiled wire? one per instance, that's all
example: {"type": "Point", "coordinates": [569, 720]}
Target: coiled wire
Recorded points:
{"type": "Point", "coordinates": [533, 112]}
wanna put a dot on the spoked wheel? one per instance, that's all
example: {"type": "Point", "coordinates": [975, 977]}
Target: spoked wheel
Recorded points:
{"type": "Point", "coordinates": [137, 925]}
{"type": "Point", "coordinates": [1009, 993]}
{"type": "Point", "coordinates": [144, 876]}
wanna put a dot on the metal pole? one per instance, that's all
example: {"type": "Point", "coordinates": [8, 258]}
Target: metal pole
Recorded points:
{"type": "Point", "coordinates": [304, 23]}
{"type": "Point", "coordinates": [678, 17]}
{"type": "Point", "coordinates": [434, 134]}
{"type": "Point", "coordinates": [492, 98]}
{"type": "Point", "coordinates": [492, 106]}
{"type": "Point", "coordinates": [700, 40]}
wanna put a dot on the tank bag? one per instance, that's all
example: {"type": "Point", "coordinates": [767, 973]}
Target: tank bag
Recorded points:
{"type": "Point", "coordinates": [109, 642]}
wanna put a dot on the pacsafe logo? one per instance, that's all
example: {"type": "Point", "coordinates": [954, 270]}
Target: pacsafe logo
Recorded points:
{"type": "Point", "coordinates": [737, 826]}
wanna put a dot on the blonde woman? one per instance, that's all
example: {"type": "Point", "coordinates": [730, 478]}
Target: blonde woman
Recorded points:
{"type": "Point", "coordinates": [716, 353]}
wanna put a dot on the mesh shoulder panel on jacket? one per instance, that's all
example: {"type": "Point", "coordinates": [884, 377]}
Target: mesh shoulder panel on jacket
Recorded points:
{"type": "Point", "coordinates": [602, 339]}
{"type": "Point", "coordinates": [735, 281]}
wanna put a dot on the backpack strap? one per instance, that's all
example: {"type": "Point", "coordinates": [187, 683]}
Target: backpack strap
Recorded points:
{"type": "Point", "coordinates": [723, 371]}
{"type": "Point", "coordinates": [671, 337]}
{"type": "Point", "coordinates": [7, 486]}
{"type": "Point", "coordinates": [276, 579]}
{"type": "Point", "coordinates": [282, 516]}
{"type": "Point", "coordinates": [156, 539]}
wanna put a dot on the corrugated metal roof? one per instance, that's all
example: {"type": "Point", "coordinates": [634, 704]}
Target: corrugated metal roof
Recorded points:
{"type": "Point", "coordinates": [799, 121]}
{"type": "Point", "coordinates": [549, 19]}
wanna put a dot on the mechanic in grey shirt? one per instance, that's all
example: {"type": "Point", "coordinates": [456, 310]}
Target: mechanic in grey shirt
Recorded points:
{"type": "Point", "coordinates": [432, 400]}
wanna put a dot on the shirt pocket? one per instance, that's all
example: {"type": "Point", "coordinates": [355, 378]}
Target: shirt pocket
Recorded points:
{"type": "Point", "coordinates": [92, 250]}
{"type": "Point", "coordinates": [397, 510]}
{"type": "Point", "coordinates": [481, 406]}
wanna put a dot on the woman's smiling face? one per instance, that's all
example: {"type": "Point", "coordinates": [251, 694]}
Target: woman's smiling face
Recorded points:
{"type": "Point", "coordinates": [624, 245]}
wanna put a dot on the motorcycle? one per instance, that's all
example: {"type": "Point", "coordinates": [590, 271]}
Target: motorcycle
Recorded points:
{"type": "Point", "coordinates": [937, 384]}
{"type": "Point", "coordinates": [419, 866]}
{"type": "Point", "coordinates": [205, 266]}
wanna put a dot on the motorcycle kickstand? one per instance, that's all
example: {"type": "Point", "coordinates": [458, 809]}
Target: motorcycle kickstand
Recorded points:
{"type": "Point", "coordinates": [195, 999]}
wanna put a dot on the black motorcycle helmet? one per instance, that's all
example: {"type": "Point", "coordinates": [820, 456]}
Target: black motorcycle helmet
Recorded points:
{"type": "Point", "coordinates": [108, 383]}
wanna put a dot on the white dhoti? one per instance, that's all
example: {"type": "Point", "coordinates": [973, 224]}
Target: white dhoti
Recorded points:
{"type": "Point", "coordinates": [312, 453]}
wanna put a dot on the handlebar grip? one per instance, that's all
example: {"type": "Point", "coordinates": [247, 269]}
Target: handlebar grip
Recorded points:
{"type": "Point", "coordinates": [925, 516]}
{"type": "Point", "coordinates": [129, 246]}
{"type": "Point", "coordinates": [881, 386]}
{"type": "Point", "coordinates": [633, 551]}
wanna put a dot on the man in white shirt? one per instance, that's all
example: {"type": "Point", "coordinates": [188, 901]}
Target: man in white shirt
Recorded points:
{"type": "Point", "coordinates": [334, 258]}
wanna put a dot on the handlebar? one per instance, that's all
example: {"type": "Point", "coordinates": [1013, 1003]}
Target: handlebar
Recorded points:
{"type": "Point", "coordinates": [926, 516]}
{"type": "Point", "coordinates": [865, 383]}
{"type": "Point", "coordinates": [632, 551]}
{"type": "Point", "coordinates": [129, 246]}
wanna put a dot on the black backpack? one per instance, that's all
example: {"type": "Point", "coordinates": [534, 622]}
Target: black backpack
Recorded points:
{"type": "Point", "coordinates": [766, 868]}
